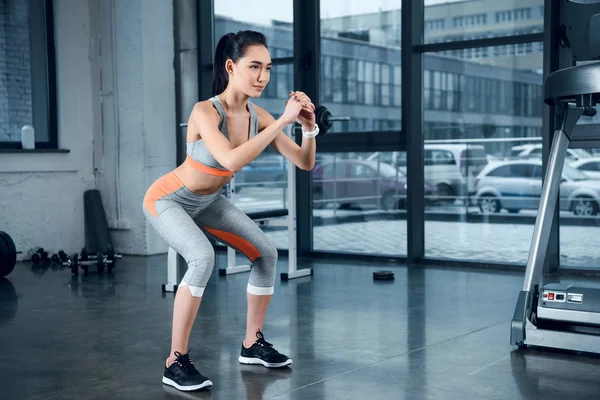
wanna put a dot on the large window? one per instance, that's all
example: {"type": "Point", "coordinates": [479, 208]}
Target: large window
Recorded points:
{"type": "Point", "coordinates": [262, 184]}
{"type": "Point", "coordinates": [27, 81]}
{"type": "Point", "coordinates": [451, 20]}
{"type": "Point", "coordinates": [360, 64]}
{"type": "Point", "coordinates": [481, 125]}
{"type": "Point", "coordinates": [482, 131]}
{"type": "Point", "coordinates": [359, 203]}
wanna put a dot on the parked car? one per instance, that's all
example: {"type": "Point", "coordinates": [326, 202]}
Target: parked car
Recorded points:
{"type": "Point", "coordinates": [450, 168]}
{"type": "Point", "coordinates": [363, 183]}
{"type": "Point", "coordinates": [589, 166]}
{"type": "Point", "coordinates": [517, 185]}
{"type": "Point", "coordinates": [266, 170]}
{"type": "Point", "coordinates": [534, 150]}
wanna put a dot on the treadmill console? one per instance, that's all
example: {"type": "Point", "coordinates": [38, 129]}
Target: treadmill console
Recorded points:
{"type": "Point", "coordinates": [578, 296]}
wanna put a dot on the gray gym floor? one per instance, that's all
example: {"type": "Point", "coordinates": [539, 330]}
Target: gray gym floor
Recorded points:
{"type": "Point", "coordinates": [432, 333]}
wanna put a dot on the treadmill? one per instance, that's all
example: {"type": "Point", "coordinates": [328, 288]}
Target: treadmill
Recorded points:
{"type": "Point", "coordinates": [559, 315]}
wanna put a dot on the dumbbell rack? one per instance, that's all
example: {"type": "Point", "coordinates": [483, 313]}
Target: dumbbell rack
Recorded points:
{"type": "Point", "coordinates": [102, 261]}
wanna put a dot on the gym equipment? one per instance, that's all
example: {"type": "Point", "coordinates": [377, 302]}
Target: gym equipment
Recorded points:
{"type": "Point", "coordinates": [559, 315]}
{"type": "Point", "coordinates": [59, 258]}
{"type": "Point", "coordinates": [383, 275]}
{"type": "Point", "coordinates": [39, 256]}
{"type": "Point", "coordinates": [8, 254]}
{"type": "Point", "coordinates": [97, 234]}
{"type": "Point", "coordinates": [97, 238]}
{"type": "Point", "coordinates": [324, 119]}
{"type": "Point", "coordinates": [176, 265]}
{"type": "Point", "coordinates": [107, 260]}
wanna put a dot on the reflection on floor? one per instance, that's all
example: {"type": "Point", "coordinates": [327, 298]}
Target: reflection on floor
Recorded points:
{"type": "Point", "coordinates": [481, 242]}
{"type": "Point", "coordinates": [432, 333]}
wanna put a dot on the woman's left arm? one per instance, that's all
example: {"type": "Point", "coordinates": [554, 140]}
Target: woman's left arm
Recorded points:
{"type": "Point", "coordinates": [302, 156]}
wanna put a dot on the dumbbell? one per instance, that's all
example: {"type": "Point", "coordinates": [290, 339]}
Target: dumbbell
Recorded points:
{"type": "Point", "coordinates": [100, 260]}
{"type": "Point", "coordinates": [61, 257]}
{"type": "Point", "coordinates": [39, 255]}
{"type": "Point", "coordinates": [72, 262]}
{"type": "Point", "coordinates": [111, 257]}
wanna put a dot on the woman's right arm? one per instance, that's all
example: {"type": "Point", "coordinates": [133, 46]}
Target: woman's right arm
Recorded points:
{"type": "Point", "coordinates": [207, 123]}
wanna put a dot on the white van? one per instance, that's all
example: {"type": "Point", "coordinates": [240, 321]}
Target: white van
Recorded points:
{"type": "Point", "coordinates": [450, 168]}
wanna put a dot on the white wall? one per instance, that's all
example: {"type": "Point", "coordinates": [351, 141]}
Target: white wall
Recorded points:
{"type": "Point", "coordinates": [41, 194]}
{"type": "Point", "coordinates": [139, 135]}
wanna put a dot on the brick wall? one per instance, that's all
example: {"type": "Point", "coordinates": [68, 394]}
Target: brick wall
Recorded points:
{"type": "Point", "coordinates": [15, 73]}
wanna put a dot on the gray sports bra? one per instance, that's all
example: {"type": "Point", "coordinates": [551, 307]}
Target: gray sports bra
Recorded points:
{"type": "Point", "coordinates": [197, 153]}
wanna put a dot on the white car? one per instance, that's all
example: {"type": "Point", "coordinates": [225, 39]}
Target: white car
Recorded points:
{"type": "Point", "coordinates": [517, 185]}
{"type": "Point", "coordinates": [589, 166]}
{"type": "Point", "coordinates": [450, 168]}
{"type": "Point", "coordinates": [534, 150]}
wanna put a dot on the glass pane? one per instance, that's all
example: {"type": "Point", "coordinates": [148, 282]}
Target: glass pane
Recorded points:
{"type": "Point", "coordinates": [262, 184]}
{"type": "Point", "coordinates": [450, 20]}
{"type": "Point", "coordinates": [359, 203]}
{"type": "Point", "coordinates": [580, 203]}
{"type": "Point", "coordinates": [482, 131]}
{"type": "Point", "coordinates": [15, 71]}
{"type": "Point", "coordinates": [361, 78]}
{"type": "Point", "coordinates": [276, 24]}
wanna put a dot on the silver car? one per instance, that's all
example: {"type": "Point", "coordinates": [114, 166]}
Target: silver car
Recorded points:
{"type": "Point", "coordinates": [589, 166]}
{"type": "Point", "coordinates": [517, 185]}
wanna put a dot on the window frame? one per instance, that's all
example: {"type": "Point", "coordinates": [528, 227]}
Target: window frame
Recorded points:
{"type": "Point", "coordinates": [43, 76]}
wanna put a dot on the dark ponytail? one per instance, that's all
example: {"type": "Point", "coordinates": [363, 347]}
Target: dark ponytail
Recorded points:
{"type": "Point", "coordinates": [232, 46]}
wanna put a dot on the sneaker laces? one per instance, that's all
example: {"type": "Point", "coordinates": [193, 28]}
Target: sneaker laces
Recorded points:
{"type": "Point", "coordinates": [262, 342]}
{"type": "Point", "coordinates": [183, 360]}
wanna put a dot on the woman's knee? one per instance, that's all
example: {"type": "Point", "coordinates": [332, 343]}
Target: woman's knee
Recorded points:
{"type": "Point", "coordinates": [199, 270]}
{"type": "Point", "coordinates": [262, 276]}
{"type": "Point", "coordinates": [269, 253]}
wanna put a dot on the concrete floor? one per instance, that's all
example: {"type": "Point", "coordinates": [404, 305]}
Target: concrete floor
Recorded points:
{"type": "Point", "coordinates": [432, 333]}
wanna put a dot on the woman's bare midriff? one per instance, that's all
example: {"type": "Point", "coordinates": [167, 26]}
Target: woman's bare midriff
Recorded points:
{"type": "Point", "coordinates": [200, 182]}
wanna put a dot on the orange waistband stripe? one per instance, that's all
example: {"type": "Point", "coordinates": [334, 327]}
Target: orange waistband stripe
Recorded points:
{"type": "Point", "coordinates": [165, 185]}
{"type": "Point", "coordinates": [207, 170]}
{"type": "Point", "coordinates": [238, 242]}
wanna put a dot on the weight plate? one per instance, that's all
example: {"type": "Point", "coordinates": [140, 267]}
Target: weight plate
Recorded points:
{"type": "Point", "coordinates": [4, 258]}
{"type": "Point", "coordinates": [383, 275]}
{"type": "Point", "coordinates": [8, 254]}
{"type": "Point", "coordinates": [110, 256]}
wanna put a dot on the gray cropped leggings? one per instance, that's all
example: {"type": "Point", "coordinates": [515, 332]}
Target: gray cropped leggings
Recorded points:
{"type": "Point", "coordinates": [184, 219]}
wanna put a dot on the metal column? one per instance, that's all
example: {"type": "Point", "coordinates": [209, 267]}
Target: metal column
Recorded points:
{"type": "Point", "coordinates": [412, 127]}
{"type": "Point", "coordinates": [307, 54]}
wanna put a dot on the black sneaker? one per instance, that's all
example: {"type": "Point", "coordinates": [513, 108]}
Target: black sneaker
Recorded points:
{"type": "Point", "coordinates": [183, 375]}
{"type": "Point", "coordinates": [262, 352]}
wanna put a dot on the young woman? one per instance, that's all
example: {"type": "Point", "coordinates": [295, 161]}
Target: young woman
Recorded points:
{"type": "Point", "coordinates": [185, 206]}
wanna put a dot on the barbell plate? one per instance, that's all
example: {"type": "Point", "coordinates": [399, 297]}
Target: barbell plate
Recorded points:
{"type": "Point", "coordinates": [8, 254]}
